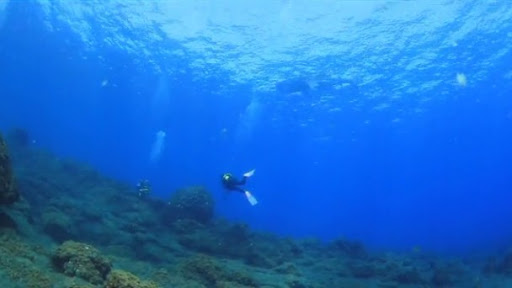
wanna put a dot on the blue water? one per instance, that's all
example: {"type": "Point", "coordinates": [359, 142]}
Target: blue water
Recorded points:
{"type": "Point", "coordinates": [388, 122]}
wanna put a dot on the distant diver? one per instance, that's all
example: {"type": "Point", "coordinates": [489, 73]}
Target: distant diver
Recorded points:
{"type": "Point", "coordinates": [143, 188]}
{"type": "Point", "coordinates": [231, 183]}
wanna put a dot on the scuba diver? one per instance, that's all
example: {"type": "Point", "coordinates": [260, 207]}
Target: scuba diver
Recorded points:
{"type": "Point", "coordinates": [233, 184]}
{"type": "Point", "coordinates": [143, 188]}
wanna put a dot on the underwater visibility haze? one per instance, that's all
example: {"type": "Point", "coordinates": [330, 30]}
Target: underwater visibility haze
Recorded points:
{"type": "Point", "coordinates": [388, 122]}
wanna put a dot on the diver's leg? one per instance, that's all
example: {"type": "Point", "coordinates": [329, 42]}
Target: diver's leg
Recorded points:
{"type": "Point", "coordinates": [248, 195]}
{"type": "Point", "coordinates": [240, 189]}
{"type": "Point", "coordinates": [250, 198]}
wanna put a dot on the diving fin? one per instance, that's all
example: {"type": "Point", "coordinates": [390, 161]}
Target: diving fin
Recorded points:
{"type": "Point", "coordinates": [251, 198]}
{"type": "Point", "coordinates": [250, 173]}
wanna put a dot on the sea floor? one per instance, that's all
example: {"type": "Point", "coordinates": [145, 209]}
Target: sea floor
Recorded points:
{"type": "Point", "coordinates": [74, 227]}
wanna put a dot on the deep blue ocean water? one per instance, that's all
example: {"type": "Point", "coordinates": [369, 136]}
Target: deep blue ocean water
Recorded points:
{"type": "Point", "coordinates": [388, 122]}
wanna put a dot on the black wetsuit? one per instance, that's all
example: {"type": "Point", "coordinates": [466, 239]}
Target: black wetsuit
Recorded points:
{"type": "Point", "coordinates": [231, 183]}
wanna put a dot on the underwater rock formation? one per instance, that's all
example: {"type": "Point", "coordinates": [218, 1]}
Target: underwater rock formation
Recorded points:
{"type": "Point", "coordinates": [182, 243]}
{"type": "Point", "coordinates": [82, 260]}
{"type": "Point", "coordinates": [8, 190]}
{"type": "Point", "coordinates": [57, 225]}
{"type": "Point", "coordinates": [123, 279]}
{"type": "Point", "coordinates": [211, 274]}
{"type": "Point", "coordinates": [352, 249]}
{"type": "Point", "coordinates": [22, 263]}
{"type": "Point", "coordinates": [408, 276]}
{"type": "Point", "coordinates": [499, 265]}
{"type": "Point", "coordinates": [221, 239]}
{"type": "Point", "coordinates": [194, 203]}
{"type": "Point", "coordinates": [505, 265]}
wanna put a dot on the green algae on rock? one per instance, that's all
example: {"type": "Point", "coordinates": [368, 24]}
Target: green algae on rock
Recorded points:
{"type": "Point", "coordinates": [22, 263]}
{"type": "Point", "coordinates": [194, 203]}
{"type": "Point", "coordinates": [57, 225]}
{"type": "Point", "coordinates": [210, 273]}
{"type": "Point", "coordinates": [8, 190]}
{"type": "Point", "coordinates": [82, 260]}
{"type": "Point", "coordinates": [123, 279]}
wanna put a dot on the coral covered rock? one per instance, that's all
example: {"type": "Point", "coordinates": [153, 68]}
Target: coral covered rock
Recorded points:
{"type": "Point", "coordinates": [220, 238]}
{"type": "Point", "coordinates": [22, 263]}
{"type": "Point", "coordinates": [210, 273]}
{"type": "Point", "coordinates": [408, 276]}
{"type": "Point", "coordinates": [361, 269]}
{"type": "Point", "coordinates": [57, 225]}
{"type": "Point", "coordinates": [447, 274]}
{"type": "Point", "coordinates": [501, 265]}
{"type": "Point", "coordinates": [352, 249]}
{"type": "Point", "coordinates": [8, 190]}
{"type": "Point", "coordinates": [82, 260]}
{"type": "Point", "coordinates": [203, 268]}
{"type": "Point", "coordinates": [123, 279]}
{"type": "Point", "coordinates": [194, 203]}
